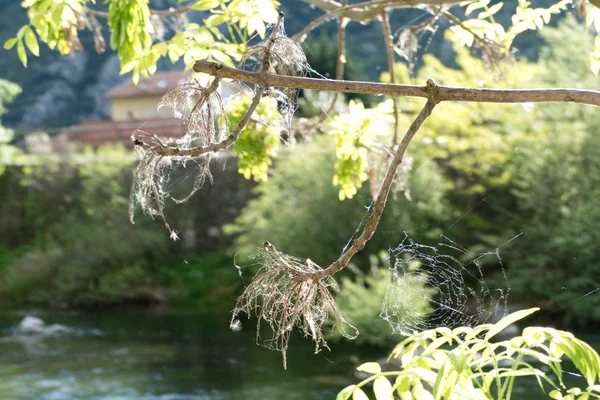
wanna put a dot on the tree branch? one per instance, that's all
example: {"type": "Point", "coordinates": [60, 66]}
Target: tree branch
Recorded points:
{"type": "Point", "coordinates": [379, 204]}
{"type": "Point", "coordinates": [361, 12]}
{"type": "Point", "coordinates": [231, 139]}
{"type": "Point", "coordinates": [434, 95]}
{"type": "Point", "coordinates": [442, 93]}
{"type": "Point", "coordinates": [340, 65]}
{"type": "Point", "coordinates": [389, 49]}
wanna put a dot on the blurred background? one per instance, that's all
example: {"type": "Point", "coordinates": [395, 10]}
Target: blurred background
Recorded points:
{"type": "Point", "coordinates": [94, 307]}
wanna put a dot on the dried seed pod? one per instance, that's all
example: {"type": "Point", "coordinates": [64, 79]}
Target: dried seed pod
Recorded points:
{"type": "Point", "coordinates": [284, 295]}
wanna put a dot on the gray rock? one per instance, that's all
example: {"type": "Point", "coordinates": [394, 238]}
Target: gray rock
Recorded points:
{"type": "Point", "coordinates": [36, 326]}
{"type": "Point", "coordinates": [31, 325]}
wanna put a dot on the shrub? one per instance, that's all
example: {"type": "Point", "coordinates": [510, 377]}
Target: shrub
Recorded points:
{"type": "Point", "coordinates": [299, 199]}
{"type": "Point", "coordinates": [360, 301]}
{"type": "Point", "coordinates": [464, 362]}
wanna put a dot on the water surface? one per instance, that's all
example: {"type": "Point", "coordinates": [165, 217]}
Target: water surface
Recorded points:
{"type": "Point", "coordinates": [170, 355]}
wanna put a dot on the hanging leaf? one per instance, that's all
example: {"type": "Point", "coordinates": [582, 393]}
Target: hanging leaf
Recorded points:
{"type": "Point", "coordinates": [370, 368]}
{"type": "Point", "coordinates": [21, 52]}
{"type": "Point", "coordinates": [31, 42]}
{"type": "Point", "coordinates": [383, 388]}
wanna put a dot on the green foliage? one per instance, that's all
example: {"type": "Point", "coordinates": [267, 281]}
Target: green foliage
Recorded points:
{"type": "Point", "coordinates": [85, 251]}
{"type": "Point", "coordinates": [359, 301]}
{"type": "Point", "coordinates": [463, 362]}
{"type": "Point", "coordinates": [259, 140]}
{"type": "Point", "coordinates": [485, 29]}
{"type": "Point", "coordinates": [298, 209]}
{"type": "Point", "coordinates": [57, 23]}
{"type": "Point", "coordinates": [129, 22]}
{"type": "Point", "coordinates": [207, 281]}
{"type": "Point", "coordinates": [356, 133]}
{"type": "Point", "coordinates": [8, 153]}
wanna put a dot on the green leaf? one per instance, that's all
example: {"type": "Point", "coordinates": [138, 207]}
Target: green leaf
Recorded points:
{"type": "Point", "coordinates": [345, 393]}
{"type": "Point", "coordinates": [382, 388]}
{"type": "Point", "coordinates": [509, 320]}
{"type": "Point", "coordinates": [458, 358]}
{"type": "Point", "coordinates": [472, 7]}
{"type": "Point", "coordinates": [31, 42]}
{"type": "Point", "coordinates": [10, 43]}
{"type": "Point", "coordinates": [370, 368]}
{"type": "Point", "coordinates": [491, 11]}
{"type": "Point", "coordinates": [21, 52]}
{"type": "Point", "coordinates": [205, 5]}
{"type": "Point", "coordinates": [359, 395]}
{"type": "Point", "coordinates": [555, 394]}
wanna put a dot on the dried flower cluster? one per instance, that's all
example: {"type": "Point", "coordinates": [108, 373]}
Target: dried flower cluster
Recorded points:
{"type": "Point", "coordinates": [280, 55]}
{"type": "Point", "coordinates": [284, 295]}
{"type": "Point", "coordinates": [202, 111]}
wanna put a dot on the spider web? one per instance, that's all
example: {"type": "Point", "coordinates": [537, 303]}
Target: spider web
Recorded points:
{"type": "Point", "coordinates": [450, 278]}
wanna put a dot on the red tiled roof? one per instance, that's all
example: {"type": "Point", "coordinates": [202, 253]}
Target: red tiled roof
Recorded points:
{"type": "Point", "coordinates": [97, 133]}
{"type": "Point", "coordinates": [155, 85]}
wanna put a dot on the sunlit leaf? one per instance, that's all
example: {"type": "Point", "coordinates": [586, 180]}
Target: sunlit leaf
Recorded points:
{"type": "Point", "coordinates": [31, 42]}
{"type": "Point", "coordinates": [21, 52]}
{"type": "Point", "coordinates": [382, 388]}
{"type": "Point", "coordinates": [345, 393]}
{"type": "Point", "coordinates": [206, 5]}
{"type": "Point", "coordinates": [370, 368]}
{"type": "Point", "coordinates": [359, 395]}
{"type": "Point", "coordinates": [509, 320]}
{"type": "Point", "coordinates": [10, 43]}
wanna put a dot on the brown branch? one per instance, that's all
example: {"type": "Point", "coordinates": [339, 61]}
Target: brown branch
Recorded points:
{"type": "Point", "coordinates": [489, 47]}
{"type": "Point", "coordinates": [231, 139]}
{"type": "Point", "coordinates": [389, 49]}
{"type": "Point", "coordinates": [361, 12]}
{"type": "Point", "coordinates": [341, 63]}
{"type": "Point", "coordinates": [434, 95]}
{"type": "Point", "coordinates": [379, 204]}
{"type": "Point", "coordinates": [442, 93]}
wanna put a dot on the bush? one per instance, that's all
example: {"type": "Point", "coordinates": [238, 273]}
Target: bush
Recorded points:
{"type": "Point", "coordinates": [467, 363]}
{"type": "Point", "coordinates": [298, 209]}
{"type": "Point", "coordinates": [360, 301]}
{"type": "Point", "coordinates": [209, 281]}
{"type": "Point", "coordinates": [83, 249]}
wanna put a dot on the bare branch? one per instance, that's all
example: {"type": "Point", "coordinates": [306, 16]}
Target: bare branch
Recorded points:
{"type": "Point", "coordinates": [442, 93]}
{"type": "Point", "coordinates": [362, 12]}
{"type": "Point", "coordinates": [379, 204]}
{"type": "Point", "coordinates": [341, 63]}
{"type": "Point", "coordinates": [389, 49]}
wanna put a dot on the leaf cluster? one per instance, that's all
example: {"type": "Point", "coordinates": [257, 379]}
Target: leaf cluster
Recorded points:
{"type": "Point", "coordinates": [466, 362]}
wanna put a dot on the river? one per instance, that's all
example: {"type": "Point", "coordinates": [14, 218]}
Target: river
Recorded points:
{"type": "Point", "coordinates": [166, 355]}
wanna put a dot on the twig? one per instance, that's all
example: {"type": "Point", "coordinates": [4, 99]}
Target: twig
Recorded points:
{"type": "Point", "coordinates": [434, 95]}
{"type": "Point", "coordinates": [489, 47]}
{"type": "Point", "coordinates": [341, 63]}
{"type": "Point", "coordinates": [362, 12]}
{"type": "Point", "coordinates": [389, 49]}
{"type": "Point", "coordinates": [231, 139]}
{"type": "Point", "coordinates": [442, 93]}
{"type": "Point", "coordinates": [379, 204]}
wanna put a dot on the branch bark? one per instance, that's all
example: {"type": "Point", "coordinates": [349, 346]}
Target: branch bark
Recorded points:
{"type": "Point", "coordinates": [442, 93]}
{"type": "Point", "coordinates": [434, 95]}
